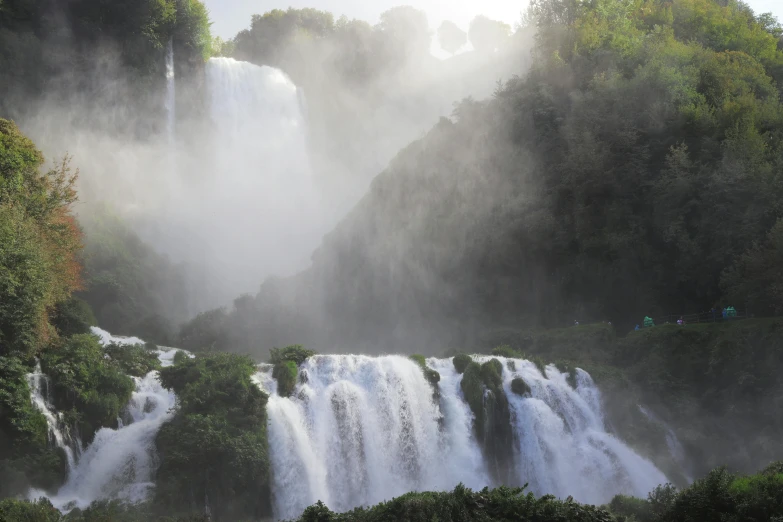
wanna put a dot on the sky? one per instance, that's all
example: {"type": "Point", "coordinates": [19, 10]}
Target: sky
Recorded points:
{"type": "Point", "coordinates": [231, 16]}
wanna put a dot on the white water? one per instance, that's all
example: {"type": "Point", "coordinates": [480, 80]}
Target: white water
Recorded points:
{"type": "Point", "coordinates": [252, 197]}
{"type": "Point", "coordinates": [171, 93]}
{"type": "Point", "coordinates": [121, 463]}
{"type": "Point", "coordinates": [359, 430]}
{"type": "Point", "coordinates": [39, 394]}
{"type": "Point", "coordinates": [672, 442]}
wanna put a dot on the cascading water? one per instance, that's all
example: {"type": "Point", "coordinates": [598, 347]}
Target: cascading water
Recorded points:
{"type": "Point", "coordinates": [39, 393]}
{"type": "Point", "coordinates": [359, 430]}
{"type": "Point", "coordinates": [672, 442]}
{"type": "Point", "coordinates": [121, 463]}
{"type": "Point", "coordinates": [251, 196]}
{"type": "Point", "coordinates": [171, 92]}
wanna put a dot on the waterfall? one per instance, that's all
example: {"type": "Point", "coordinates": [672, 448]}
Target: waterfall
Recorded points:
{"type": "Point", "coordinates": [39, 394]}
{"type": "Point", "coordinates": [359, 430]}
{"type": "Point", "coordinates": [258, 208]}
{"type": "Point", "coordinates": [672, 442]}
{"type": "Point", "coordinates": [119, 463]}
{"type": "Point", "coordinates": [171, 92]}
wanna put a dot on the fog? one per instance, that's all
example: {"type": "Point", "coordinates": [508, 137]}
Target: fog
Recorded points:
{"type": "Point", "coordinates": [234, 170]}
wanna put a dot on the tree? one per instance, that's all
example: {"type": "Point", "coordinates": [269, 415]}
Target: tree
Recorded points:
{"type": "Point", "coordinates": [405, 33]}
{"type": "Point", "coordinates": [39, 242]}
{"type": "Point", "coordinates": [487, 35]}
{"type": "Point", "coordinates": [451, 37]}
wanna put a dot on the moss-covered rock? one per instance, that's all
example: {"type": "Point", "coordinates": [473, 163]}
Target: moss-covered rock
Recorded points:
{"type": "Point", "coordinates": [432, 376]}
{"type": "Point", "coordinates": [285, 373]}
{"type": "Point", "coordinates": [461, 362]}
{"type": "Point", "coordinates": [491, 374]}
{"type": "Point", "coordinates": [520, 387]}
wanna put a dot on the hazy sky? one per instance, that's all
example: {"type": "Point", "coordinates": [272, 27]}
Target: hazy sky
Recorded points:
{"type": "Point", "coordinates": [231, 16]}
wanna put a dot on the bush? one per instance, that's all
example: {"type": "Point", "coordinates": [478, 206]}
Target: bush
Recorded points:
{"type": "Point", "coordinates": [637, 508]}
{"type": "Point", "coordinates": [461, 362]}
{"type": "Point", "coordinates": [215, 447]}
{"type": "Point", "coordinates": [295, 353]}
{"type": "Point", "coordinates": [505, 350]}
{"type": "Point", "coordinates": [137, 360]}
{"type": "Point", "coordinates": [85, 381]}
{"type": "Point", "coordinates": [464, 505]}
{"type": "Point", "coordinates": [285, 373]}
{"type": "Point", "coordinates": [73, 317]}
{"type": "Point", "coordinates": [12, 510]}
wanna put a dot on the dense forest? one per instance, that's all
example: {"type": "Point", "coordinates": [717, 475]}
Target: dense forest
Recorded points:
{"type": "Point", "coordinates": [631, 167]}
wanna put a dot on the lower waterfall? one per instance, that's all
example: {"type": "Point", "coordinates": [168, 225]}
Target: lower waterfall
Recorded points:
{"type": "Point", "coordinates": [121, 463]}
{"type": "Point", "coordinates": [359, 430]}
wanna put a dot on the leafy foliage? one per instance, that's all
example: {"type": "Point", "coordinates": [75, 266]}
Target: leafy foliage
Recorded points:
{"type": "Point", "coordinates": [132, 289]}
{"type": "Point", "coordinates": [25, 456]}
{"type": "Point", "coordinates": [463, 505]}
{"type": "Point", "coordinates": [461, 362]}
{"type": "Point", "coordinates": [85, 381]}
{"type": "Point", "coordinates": [40, 241]}
{"type": "Point", "coordinates": [137, 360]}
{"type": "Point", "coordinates": [215, 448]}
{"type": "Point", "coordinates": [285, 373]}
{"type": "Point", "coordinates": [295, 353]}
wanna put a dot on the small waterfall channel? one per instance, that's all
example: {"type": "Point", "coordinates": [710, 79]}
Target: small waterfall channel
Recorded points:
{"type": "Point", "coordinates": [119, 463]}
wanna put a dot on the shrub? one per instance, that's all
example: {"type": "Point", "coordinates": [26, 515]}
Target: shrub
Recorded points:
{"type": "Point", "coordinates": [461, 362]}
{"type": "Point", "coordinates": [73, 317]}
{"type": "Point", "coordinates": [295, 353]}
{"type": "Point", "coordinates": [87, 382]}
{"type": "Point", "coordinates": [41, 510]}
{"type": "Point", "coordinates": [215, 447]}
{"type": "Point", "coordinates": [285, 372]}
{"type": "Point", "coordinates": [135, 360]}
{"type": "Point", "coordinates": [505, 350]}
{"type": "Point", "coordinates": [626, 506]}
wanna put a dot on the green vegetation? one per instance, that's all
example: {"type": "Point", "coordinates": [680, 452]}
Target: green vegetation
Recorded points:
{"type": "Point", "coordinates": [520, 387]}
{"type": "Point", "coordinates": [39, 239]}
{"type": "Point", "coordinates": [432, 376]}
{"type": "Point", "coordinates": [137, 360]}
{"type": "Point", "coordinates": [482, 387]}
{"type": "Point", "coordinates": [461, 362]}
{"type": "Point", "coordinates": [463, 505]}
{"type": "Point", "coordinates": [295, 353]}
{"type": "Point", "coordinates": [285, 372]}
{"type": "Point", "coordinates": [215, 448]}
{"type": "Point", "coordinates": [132, 289]}
{"type": "Point", "coordinates": [286, 366]}
{"type": "Point", "coordinates": [25, 456]}
{"type": "Point", "coordinates": [73, 317]}
{"type": "Point", "coordinates": [86, 383]}
{"type": "Point", "coordinates": [56, 51]}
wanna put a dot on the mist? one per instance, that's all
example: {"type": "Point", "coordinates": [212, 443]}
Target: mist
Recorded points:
{"type": "Point", "coordinates": [234, 171]}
